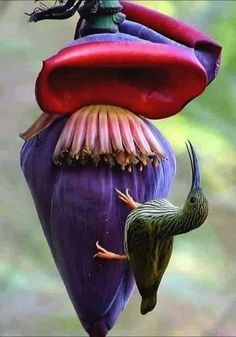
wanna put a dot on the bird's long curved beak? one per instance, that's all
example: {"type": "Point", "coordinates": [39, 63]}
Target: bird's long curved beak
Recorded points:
{"type": "Point", "coordinates": [196, 173]}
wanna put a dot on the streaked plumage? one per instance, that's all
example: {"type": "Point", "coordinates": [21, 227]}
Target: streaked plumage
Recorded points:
{"type": "Point", "coordinates": [149, 231]}
{"type": "Point", "coordinates": [149, 234]}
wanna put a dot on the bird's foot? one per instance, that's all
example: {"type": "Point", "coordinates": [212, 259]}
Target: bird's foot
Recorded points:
{"type": "Point", "coordinates": [127, 199]}
{"type": "Point", "coordinates": [105, 254]}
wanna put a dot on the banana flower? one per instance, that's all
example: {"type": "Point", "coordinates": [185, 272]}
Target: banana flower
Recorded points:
{"type": "Point", "coordinates": [93, 137]}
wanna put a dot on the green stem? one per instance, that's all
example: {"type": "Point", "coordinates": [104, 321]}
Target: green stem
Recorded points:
{"type": "Point", "coordinates": [102, 16]}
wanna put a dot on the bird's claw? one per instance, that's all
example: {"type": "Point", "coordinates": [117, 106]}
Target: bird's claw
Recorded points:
{"type": "Point", "coordinates": [127, 198]}
{"type": "Point", "coordinates": [105, 254]}
{"type": "Point", "coordinates": [102, 252]}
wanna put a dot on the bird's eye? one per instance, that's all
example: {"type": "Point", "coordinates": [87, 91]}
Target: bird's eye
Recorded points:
{"type": "Point", "coordinates": [192, 200]}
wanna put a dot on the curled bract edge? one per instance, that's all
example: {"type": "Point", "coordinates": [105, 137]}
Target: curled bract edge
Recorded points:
{"type": "Point", "coordinates": [154, 66]}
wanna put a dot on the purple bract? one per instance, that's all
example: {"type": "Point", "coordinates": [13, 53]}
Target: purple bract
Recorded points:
{"type": "Point", "coordinates": [78, 206]}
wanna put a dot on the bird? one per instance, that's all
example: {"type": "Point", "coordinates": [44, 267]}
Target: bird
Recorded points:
{"type": "Point", "coordinates": [149, 233]}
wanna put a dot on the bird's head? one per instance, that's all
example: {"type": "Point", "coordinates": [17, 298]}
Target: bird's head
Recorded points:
{"type": "Point", "coordinates": [196, 200]}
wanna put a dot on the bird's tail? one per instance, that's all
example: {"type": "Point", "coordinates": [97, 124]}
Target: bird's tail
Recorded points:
{"type": "Point", "coordinates": [148, 303]}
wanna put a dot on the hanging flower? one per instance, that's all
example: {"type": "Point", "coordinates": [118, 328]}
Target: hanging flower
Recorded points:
{"type": "Point", "coordinates": [78, 206]}
{"type": "Point", "coordinates": [93, 137]}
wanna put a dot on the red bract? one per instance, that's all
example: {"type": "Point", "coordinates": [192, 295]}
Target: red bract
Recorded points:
{"type": "Point", "coordinates": [152, 70]}
{"type": "Point", "coordinates": [206, 50]}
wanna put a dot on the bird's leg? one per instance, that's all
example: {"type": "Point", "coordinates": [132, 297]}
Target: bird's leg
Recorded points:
{"type": "Point", "coordinates": [127, 199]}
{"type": "Point", "coordinates": [105, 254]}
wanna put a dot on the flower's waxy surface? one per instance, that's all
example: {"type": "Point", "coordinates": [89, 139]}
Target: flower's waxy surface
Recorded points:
{"type": "Point", "coordinates": [78, 206]}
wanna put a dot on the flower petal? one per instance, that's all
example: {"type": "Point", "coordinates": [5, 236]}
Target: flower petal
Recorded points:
{"type": "Point", "coordinates": [171, 30]}
{"type": "Point", "coordinates": [40, 172]}
{"type": "Point", "coordinates": [151, 79]}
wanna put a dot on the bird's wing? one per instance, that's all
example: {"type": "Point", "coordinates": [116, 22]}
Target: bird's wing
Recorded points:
{"type": "Point", "coordinates": [140, 223]}
{"type": "Point", "coordinates": [154, 275]}
{"type": "Point", "coordinates": [161, 215]}
{"type": "Point", "coordinates": [149, 254]}
{"type": "Point", "coordinates": [148, 270]}
{"type": "Point", "coordinates": [163, 252]}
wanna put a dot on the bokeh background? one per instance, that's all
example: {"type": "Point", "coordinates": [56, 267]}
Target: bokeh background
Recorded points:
{"type": "Point", "coordinates": [197, 296]}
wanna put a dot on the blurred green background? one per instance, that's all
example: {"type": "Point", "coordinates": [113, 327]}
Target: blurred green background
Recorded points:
{"type": "Point", "coordinates": [197, 296]}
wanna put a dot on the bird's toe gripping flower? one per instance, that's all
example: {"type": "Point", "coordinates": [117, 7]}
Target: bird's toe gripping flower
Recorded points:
{"type": "Point", "coordinates": [95, 94]}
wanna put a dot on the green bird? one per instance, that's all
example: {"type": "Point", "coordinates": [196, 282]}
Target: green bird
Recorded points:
{"type": "Point", "coordinates": [149, 231]}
